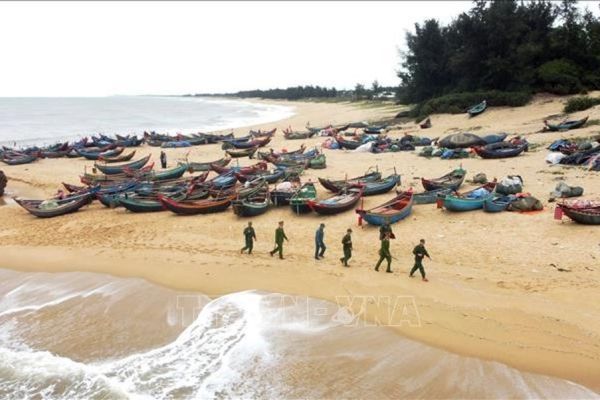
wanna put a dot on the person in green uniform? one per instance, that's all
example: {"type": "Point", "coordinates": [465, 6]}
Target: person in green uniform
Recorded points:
{"type": "Point", "coordinates": [279, 237]}
{"type": "Point", "coordinates": [420, 252]}
{"type": "Point", "coordinates": [386, 228]}
{"type": "Point", "coordinates": [384, 253]}
{"type": "Point", "coordinates": [347, 246]}
{"type": "Point", "coordinates": [250, 237]}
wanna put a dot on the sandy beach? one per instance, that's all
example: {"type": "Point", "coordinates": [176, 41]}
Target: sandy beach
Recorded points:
{"type": "Point", "coordinates": [521, 289]}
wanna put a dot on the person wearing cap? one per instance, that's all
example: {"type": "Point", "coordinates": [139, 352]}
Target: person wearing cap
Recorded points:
{"type": "Point", "coordinates": [386, 228]}
{"type": "Point", "coordinates": [347, 246]}
{"type": "Point", "coordinates": [420, 252]}
{"type": "Point", "coordinates": [250, 237]}
{"type": "Point", "coordinates": [279, 237]}
{"type": "Point", "coordinates": [384, 253]}
{"type": "Point", "coordinates": [319, 242]}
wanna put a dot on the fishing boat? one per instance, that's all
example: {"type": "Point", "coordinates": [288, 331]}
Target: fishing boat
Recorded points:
{"type": "Point", "coordinates": [471, 200]}
{"type": "Point", "coordinates": [381, 186]}
{"type": "Point", "coordinates": [119, 169]}
{"type": "Point", "coordinates": [430, 196]}
{"type": "Point", "coordinates": [348, 144]}
{"type": "Point", "coordinates": [142, 204]}
{"type": "Point", "coordinates": [389, 212]}
{"type": "Point", "coordinates": [260, 133]}
{"type": "Point", "coordinates": [269, 176]}
{"type": "Point", "coordinates": [56, 207]}
{"type": "Point", "coordinates": [206, 166]}
{"type": "Point", "coordinates": [251, 143]}
{"type": "Point", "coordinates": [477, 109]}
{"type": "Point", "coordinates": [566, 125]}
{"type": "Point", "coordinates": [92, 178]}
{"type": "Point", "coordinates": [500, 150]}
{"type": "Point", "coordinates": [582, 212]}
{"type": "Point", "coordinates": [345, 200]}
{"type": "Point", "coordinates": [193, 207]}
{"type": "Point", "coordinates": [238, 153]}
{"type": "Point", "coordinates": [119, 158]}
{"type": "Point", "coordinates": [497, 203]}
{"type": "Point", "coordinates": [173, 173]}
{"type": "Point", "coordinates": [96, 155]}
{"type": "Point", "coordinates": [253, 205]}
{"type": "Point", "coordinates": [18, 159]}
{"type": "Point", "coordinates": [251, 169]}
{"type": "Point", "coordinates": [297, 135]}
{"type": "Point", "coordinates": [299, 201]}
{"type": "Point", "coordinates": [452, 180]}
{"type": "Point", "coordinates": [335, 185]}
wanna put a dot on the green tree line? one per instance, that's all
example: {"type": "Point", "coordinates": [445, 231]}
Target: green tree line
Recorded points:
{"type": "Point", "coordinates": [503, 45]}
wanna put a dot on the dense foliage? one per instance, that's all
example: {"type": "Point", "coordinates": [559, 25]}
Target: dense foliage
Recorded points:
{"type": "Point", "coordinates": [581, 103]}
{"type": "Point", "coordinates": [456, 103]}
{"type": "Point", "coordinates": [503, 45]}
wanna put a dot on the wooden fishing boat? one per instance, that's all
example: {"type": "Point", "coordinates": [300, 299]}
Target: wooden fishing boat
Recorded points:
{"type": "Point", "coordinates": [348, 144]}
{"type": "Point", "coordinates": [260, 133]}
{"type": "Point", "coordinates": [141, 204]}
{"type": "Point", "coordinates": [381, 186]}
{"type": "Point", "coordinates": [173, 173]}
{"type": "Point", "coordinates": [389, 212]}
{"type": "Point", "coordinates": [586, 213]}
{"type": "Point", "coordinates": [299, 201]}
{"type": "Point", "coordinates": [55, 208]}
{"type": "Point", "coordinates": [251, 143]}
{"type": "Point", "coordinates": [238, 153]}
{"type": "Point", "coordinates": [253, 205]}
{"type": "Point", "coordinates": [119, 169]}
{"type": "Point", "coordinates": [566, 125]}
{"type": "Point", "coordinates": [268, 176]}
{"type": "Point", "coordinates": [276, 155]}
{"type": "Point", "coordinates": [89, 179]}
{"type": "Point", "coordinates": [497, 203]}
{"type": "Point", "coordinates": [452, 180]}
{"type": "Point", "coordinates": [206, 166]}
{"type": "Point", "coordinates": [296, 135]}
{"type": "Point", "coordinates": [189, 207]}
{"type": "Point", "coordinates": [477, 109]}
{"type": "Point", "coordinates": [114, 159]}
{"type": "Point", "coordinates": [345, 200]}
{"type": "Point", "coordinates": [500, 150]}
{"type": "Point", "coordinates": [251, 169]}
{"type": "Point", "coordinates": [95, 155]}
{"type": "Point", "coordinates": [430, 196]}
{"type": "Point", "coordinates": [319, 162]}
{"type": "Point", "coordinates": [223, 181]}
{"type": "Point", "coordinates": [19, 159]}
{"type": "Point", "coordinates": [335, 185]}
{"type": "Point", "coordinates": [374, 129]}
{"type": "Point", "coordinates": [467, 201]}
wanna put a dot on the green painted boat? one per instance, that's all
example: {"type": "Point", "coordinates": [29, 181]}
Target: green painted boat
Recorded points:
{"type": "Point", "coordinates": [319, 162]}
{"type": "Point", "coordinates": [300, 200]}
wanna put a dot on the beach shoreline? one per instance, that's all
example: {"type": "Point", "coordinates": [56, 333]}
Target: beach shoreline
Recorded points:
{"type": "Point", "coordinates": [493, 293]}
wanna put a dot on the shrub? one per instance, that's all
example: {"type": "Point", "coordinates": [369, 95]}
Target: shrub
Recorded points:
{"type": "Point", "coordinates": [559, 77]}
{"type": "Point", "coordinates": [457, 103]}
{"type": "Point", "coordinates": [580, 103]}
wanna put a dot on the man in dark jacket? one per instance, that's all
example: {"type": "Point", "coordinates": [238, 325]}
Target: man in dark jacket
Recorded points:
{"type": "Point", "coordinates": [250, 237]}
{"type": "Point", "coordinates": [319, 242]}
{"type": "Point", "coordinates": [279, 237]}
{"type": "Point", "coordinates": [420, 252]}
{"type": "Point", "coordinates": [347, 247]}
{"type": "Point", "coordinates": [163, 159]}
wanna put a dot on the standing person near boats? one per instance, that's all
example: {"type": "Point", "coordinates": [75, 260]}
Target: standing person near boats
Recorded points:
{"type": "Point", "coordinates": [347, 247]}
{"type": "Point", "coordinates": [279, 237]}
{"type": "Point", "coordinates": [420, 252]}
{"type": "Point", "coordinates": [386, 228]}
{"type": "Point", "coordinates": [384, 253]}
{"type": "Point", "coordinates": [319, 242]}
{"type": "Point", "coordinates": [163, 159]}
{"type": "Point", "coordinates": [249, 237]}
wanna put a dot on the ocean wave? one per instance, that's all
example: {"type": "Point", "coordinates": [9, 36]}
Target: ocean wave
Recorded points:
{"type": "Point", "coordinates": [242, 345]}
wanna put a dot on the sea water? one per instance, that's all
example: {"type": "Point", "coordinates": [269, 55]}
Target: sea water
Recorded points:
{"type": "Point", "coordinates": [92, 336]}
{"type": "Point", "coordinates": [40, 121]}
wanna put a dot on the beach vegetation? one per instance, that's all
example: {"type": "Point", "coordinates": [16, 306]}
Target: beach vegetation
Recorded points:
{"type": "Point", "coordinates": [581, 103]}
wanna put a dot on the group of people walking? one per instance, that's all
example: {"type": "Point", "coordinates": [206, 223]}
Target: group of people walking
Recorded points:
{"type": "Point", "coordinates": [385, 234]}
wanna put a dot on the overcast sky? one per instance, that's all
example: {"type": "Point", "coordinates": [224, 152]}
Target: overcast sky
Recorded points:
{"type": "Point", "coordinates": [98, 49]}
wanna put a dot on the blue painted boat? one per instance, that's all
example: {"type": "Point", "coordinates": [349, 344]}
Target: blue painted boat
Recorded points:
{"type": "Point", "coordinates": [223, 181]}
{"type": "Point", "coordinates": [389, 212]}
{"type": "Point", "coordinates": [477, 109]}
{"type": "Point", "coordinates": [381, 186]}
{"type": "Point", "coordinates": [497, 203]}
{"type": "Point", "coordinates": [430, 196]}
{"type": "Point", "coordinates": [471, 200]}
